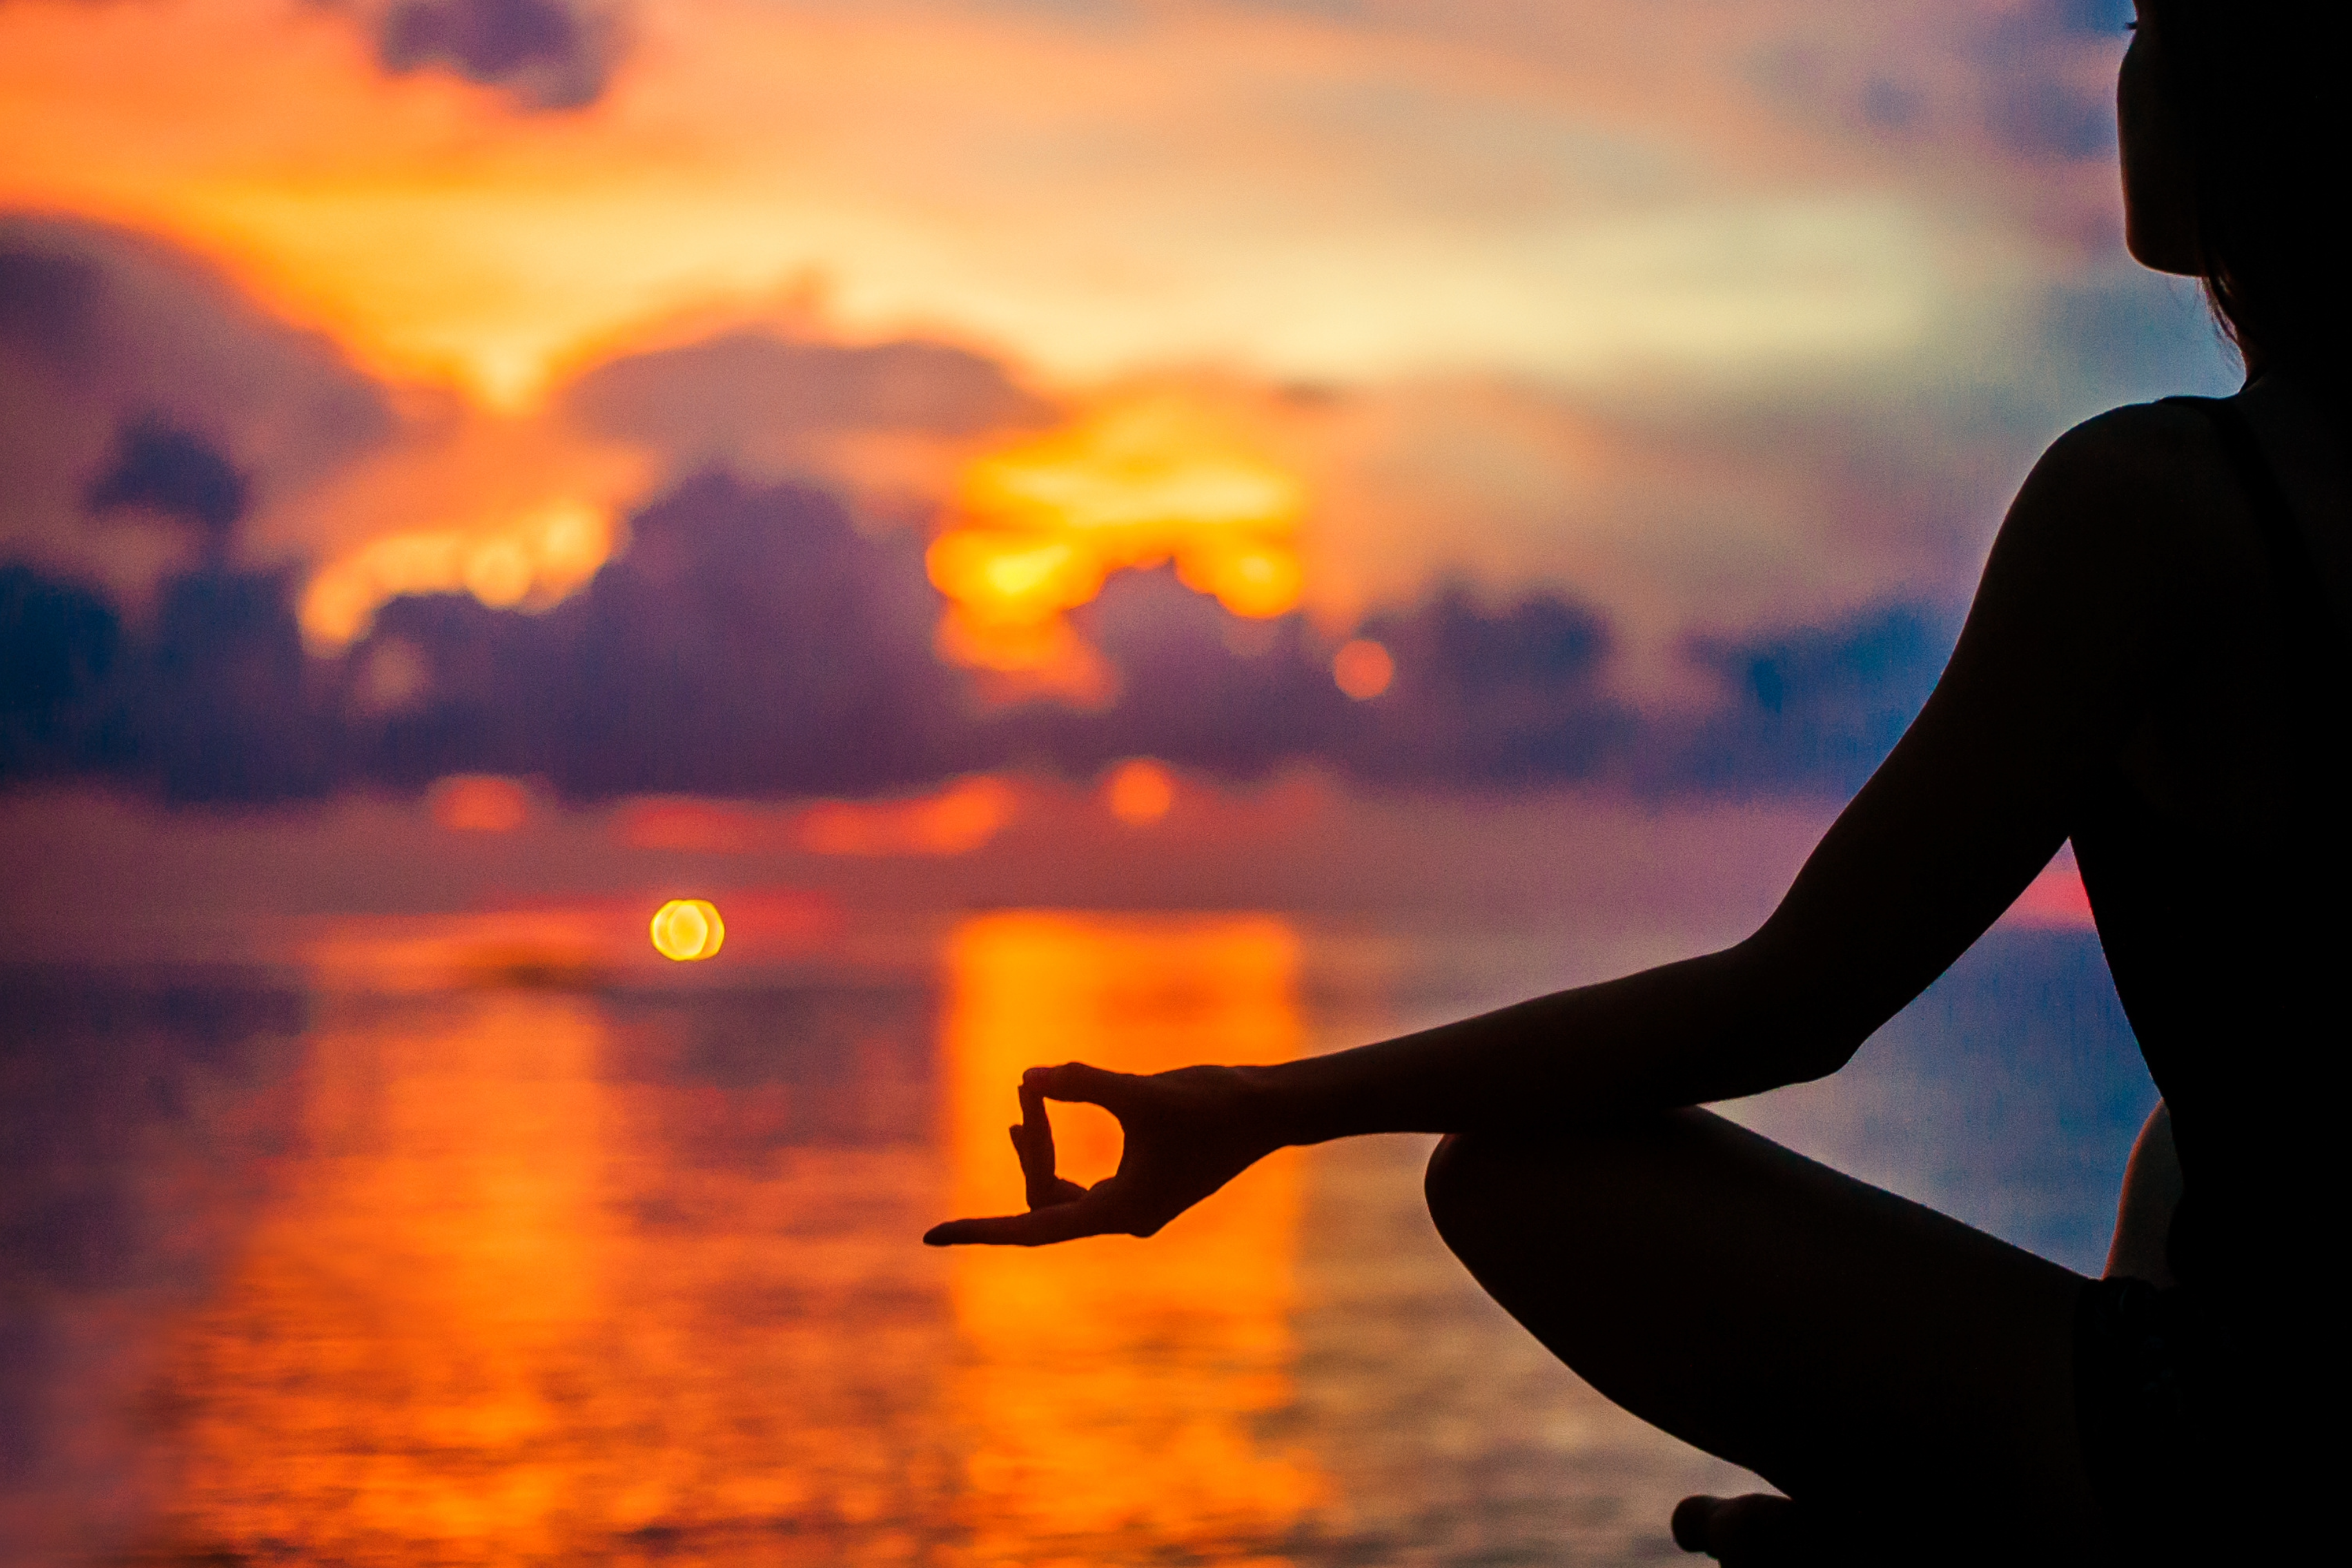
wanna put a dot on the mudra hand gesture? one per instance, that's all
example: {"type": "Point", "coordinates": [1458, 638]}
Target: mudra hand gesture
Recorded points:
{"type": "Point", "coordinates": [1187, 1133]}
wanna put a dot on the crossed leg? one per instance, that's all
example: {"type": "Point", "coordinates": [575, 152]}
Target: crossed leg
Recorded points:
{"type": "Point", "coordinates": [1907, 1379]}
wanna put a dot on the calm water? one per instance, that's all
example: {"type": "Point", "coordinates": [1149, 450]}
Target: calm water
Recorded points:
{"type": "Point", "coordinates": [518, 1274]}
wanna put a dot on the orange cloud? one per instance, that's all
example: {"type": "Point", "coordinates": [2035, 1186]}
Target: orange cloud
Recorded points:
{"type": "Point", "coordinates": [954, 821]}
{"type": "Point", "coordinates": [479, 802]}
{"type": "Point", "coordinates": [1036, 528]}
{"type": "Point", "coordinates": [518, 511]}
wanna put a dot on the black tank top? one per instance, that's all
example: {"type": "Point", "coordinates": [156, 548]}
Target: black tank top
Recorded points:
{"type": "Point", "coordinates": [2226, 934]}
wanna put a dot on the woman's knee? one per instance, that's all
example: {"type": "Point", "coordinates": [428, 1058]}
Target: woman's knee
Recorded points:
{"type": "Point", "coordinates": [1459, 1182]}
{"type": "Point", "coordinates": [1480, 1185]}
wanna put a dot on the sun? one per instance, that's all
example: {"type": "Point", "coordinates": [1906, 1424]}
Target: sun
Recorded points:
{"type": "Point", "coordinates": [688, 930]}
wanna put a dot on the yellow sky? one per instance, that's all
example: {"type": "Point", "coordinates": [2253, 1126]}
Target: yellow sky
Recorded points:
{"type": "Point", "coordinates": [1192, 183]}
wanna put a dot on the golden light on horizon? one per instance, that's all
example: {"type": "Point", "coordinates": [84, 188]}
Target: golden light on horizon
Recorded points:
{"type": "Point", "coordinates": [533, 564]}
{"type": "Point", "coordinates": [688, 930]}
{"type": "Point", "coordinates": [478, 803]}
{"type": "Point", "coordinates": [1040, 526]}
{"type": "Point", "coordinates": [1363, 668]}
{"type": "Point", "coordinates": [1139, 791]}
{"type": "Point", "coordinates": [956, 820]}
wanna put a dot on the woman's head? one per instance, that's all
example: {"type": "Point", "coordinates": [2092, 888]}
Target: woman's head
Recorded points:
{"type": "Point", "coordinates": [2234, 142]}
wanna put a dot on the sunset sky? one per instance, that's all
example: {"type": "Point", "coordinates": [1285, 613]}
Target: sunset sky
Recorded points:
{"type": "Point", "coordinates": [1725, 327]}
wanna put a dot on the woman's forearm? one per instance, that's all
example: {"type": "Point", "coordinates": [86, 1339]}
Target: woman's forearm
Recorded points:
{"type": "Point", "coordinates": [1682, 1034]}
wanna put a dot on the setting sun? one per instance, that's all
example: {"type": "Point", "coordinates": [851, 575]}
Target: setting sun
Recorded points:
{"type": "Point", "coordinates": [688, 930]}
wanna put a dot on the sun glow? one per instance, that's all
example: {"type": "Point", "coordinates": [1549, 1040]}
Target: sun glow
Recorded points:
{"type": "Point", "coordinates": [1037, 528]}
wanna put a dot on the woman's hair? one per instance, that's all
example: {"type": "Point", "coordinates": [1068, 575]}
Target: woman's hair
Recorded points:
{"type": "Point", "coordinates": [2259, 90]}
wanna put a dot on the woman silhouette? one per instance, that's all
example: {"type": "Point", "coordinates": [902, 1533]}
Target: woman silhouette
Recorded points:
{"type": "Point", "coordinates": [2154, 667]}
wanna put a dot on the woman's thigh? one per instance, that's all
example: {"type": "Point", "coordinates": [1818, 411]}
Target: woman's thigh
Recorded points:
{"type": "Point", "coordinates": [1850, 1346]}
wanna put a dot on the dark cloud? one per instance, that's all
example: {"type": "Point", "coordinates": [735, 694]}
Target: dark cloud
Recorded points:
{"type": "Point", "coordinates": [1485, 697]}
{"type": "Point", "coordinates": [1813, 708]}
{"type": "Point", "coordinates": [744, 393]}
{"type": "Point", "coordinates": [1196, 686]}
{"type": "Point", "coordinates": [137, 382]}
{"type": "Point", "coordinates": [220, 705]}
{"type": "Point", "coordinates": [48, 305]}
{"type": "Point", "coordinates": [549, 54]}
{"type": "Point", "coordinates": [161, 468]}
{"type": "Point", "coordinates": [750, 639]}
{"type": "Point", "coordinates": [58, 645]}
{"type": "Point", "coordinates": [752, 642]}
{"type": "Point", "coordinates": [1482, 698]}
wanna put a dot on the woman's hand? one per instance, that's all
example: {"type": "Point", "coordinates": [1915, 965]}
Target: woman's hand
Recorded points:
{"type": "Point", "coordinates": [1187, 1132]}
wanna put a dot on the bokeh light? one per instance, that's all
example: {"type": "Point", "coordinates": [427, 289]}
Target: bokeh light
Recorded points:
{"type": "Point", "coordinates": [1363, 668]}
{"type": "Point", "coordinates": [1139, 791]}
{"type": "Point", "coordinates": [688, 930]}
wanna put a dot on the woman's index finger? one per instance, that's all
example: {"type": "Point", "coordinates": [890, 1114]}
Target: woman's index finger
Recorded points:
{"type": "Point", "coordinates": [1080, 1084]}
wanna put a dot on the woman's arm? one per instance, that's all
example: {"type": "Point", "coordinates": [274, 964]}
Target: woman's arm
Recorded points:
{"type": "Point", "coordinates": [1971, 803]}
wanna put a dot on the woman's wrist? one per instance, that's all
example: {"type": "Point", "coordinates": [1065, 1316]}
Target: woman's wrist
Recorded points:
{"type": "Point", "coordinates": [1289, 1104]}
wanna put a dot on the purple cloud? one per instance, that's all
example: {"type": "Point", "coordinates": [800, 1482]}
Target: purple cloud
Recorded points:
{"type": "Point", "coordinates": [549, 54]}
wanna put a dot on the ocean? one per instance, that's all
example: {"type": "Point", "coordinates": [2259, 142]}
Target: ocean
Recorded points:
{"type": "Point", "coordinates": [517, 1261]}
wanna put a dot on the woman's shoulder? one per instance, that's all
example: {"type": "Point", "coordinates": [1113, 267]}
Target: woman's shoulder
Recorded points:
{"type": "Point", "coordinates": [2126, 519]}
{"type": "Point", "coordinates": [2149, 450]}
{"type": "Point", "coordinates": [2141, 476]}
{"type": "Point", "coordinates": [2161, 473]}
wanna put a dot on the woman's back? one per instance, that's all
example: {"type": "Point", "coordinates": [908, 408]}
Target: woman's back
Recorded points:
{"type": "Point", "coordinates": [2214, 847]}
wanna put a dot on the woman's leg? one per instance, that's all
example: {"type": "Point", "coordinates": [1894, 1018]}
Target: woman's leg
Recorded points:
{"type": "Point", "coordinates": [1874, 1359]}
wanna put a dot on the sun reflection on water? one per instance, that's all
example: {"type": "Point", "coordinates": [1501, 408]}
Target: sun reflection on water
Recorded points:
{"type": "Point", "coordinates": [1111, 1392]}
{"type": "Point", "coordinates": [568, 1277]}
{"type": "Point", "coordinates": [394, 1363]}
